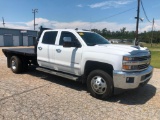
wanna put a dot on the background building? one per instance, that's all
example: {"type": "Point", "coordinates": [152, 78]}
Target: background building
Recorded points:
{"type": "Point", "coordinates": [17, 37]}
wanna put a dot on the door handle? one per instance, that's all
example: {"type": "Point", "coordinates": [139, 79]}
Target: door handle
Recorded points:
{"type": "Point", "coordinates": [40, 48]}
{"type": "Point", "coordinates": [58, 50]}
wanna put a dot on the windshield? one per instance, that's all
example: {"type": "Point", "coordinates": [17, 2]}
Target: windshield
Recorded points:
{"type": "Point", "coordinates": [92, 39]}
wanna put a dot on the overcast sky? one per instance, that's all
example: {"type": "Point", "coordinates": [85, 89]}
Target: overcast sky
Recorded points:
{"type": "Point", "coordinates": [82, 14]}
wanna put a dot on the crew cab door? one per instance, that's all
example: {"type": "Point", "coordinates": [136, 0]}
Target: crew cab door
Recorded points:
{"type": "Point", "coordinates": [67, 59]}
{"type": "Point", "coordinates": [46, 49]}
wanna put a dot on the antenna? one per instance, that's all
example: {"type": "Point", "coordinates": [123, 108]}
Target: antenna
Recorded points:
{"type": "Point", "coordinates": [3, 22]}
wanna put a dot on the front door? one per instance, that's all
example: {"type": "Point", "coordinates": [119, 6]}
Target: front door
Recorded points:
{"type": "Point", "coordinates": [67, 59]}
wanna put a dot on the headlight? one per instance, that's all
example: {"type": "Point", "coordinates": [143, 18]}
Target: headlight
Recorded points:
{"type": "Point", "coordinates": [129, 63]}
{"type": "Point", "coordinates": [130, 67]}
{"type": "Point", "coordinates": [126, 58]}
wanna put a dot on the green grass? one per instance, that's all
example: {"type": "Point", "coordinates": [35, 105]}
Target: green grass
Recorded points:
{"type": "Point", "coordinates": [155, 52]}
{"type": "Point", "coordinates": [155, 60]}
{"type": "Point", "coordinates": [154, 47]}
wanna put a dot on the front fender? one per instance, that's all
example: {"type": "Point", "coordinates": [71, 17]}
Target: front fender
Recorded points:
{"type": "Point", "coordinates": [114, 60]}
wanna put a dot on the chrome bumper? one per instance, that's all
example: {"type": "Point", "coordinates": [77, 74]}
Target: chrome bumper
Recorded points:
{"type": "Point", "coordinates": [131, 80]}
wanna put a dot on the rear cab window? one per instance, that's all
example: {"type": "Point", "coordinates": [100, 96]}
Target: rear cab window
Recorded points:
{"type": "Point", "coordinates": [49, 37]}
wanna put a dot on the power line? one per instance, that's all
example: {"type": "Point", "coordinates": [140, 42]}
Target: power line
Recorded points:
{"type": "Point", "coordinates": [116, 14]}
{"type": "Point", "coordinates": [145, 12]}
{"type": "Point", "coordinates": [113, 15]}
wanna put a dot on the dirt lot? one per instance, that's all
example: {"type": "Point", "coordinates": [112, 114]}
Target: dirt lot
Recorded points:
{"type": "Point", "coordinates": [38, 96]}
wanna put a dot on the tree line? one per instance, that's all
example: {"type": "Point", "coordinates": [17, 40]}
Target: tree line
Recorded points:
{"type": "Point", "coordinates": [130, 35]}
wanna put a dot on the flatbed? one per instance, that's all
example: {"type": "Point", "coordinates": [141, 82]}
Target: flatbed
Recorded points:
{"type": "Point", "coordinates": [20, 51]}
{"type": "Point", "coordinates": [26, 56]}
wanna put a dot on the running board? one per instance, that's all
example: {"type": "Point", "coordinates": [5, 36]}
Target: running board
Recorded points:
{"type": "Point", "coordinates": [75, 78]}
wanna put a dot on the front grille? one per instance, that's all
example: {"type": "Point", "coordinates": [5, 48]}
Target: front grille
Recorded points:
{"type": "Point", "coordinates": [142, 58]}
{"type": "Point", "coordinates": [136, 63]}
{"type": "Point", "coordinates": [144, 66]}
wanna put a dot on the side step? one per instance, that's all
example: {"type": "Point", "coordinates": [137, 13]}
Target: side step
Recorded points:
{"type": "Point", "coordinates": [75, 78]}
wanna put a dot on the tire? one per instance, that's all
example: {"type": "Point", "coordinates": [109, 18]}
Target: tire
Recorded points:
{"type": "Point", "coordinates": [16, 64]}
{"type": "Point", "coordinates": [100, 84]}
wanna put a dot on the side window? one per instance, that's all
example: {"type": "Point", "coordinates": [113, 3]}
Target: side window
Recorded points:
{"type": "Point", "coordinates": [67, 34]}
{"type": "Point", "coordinates": [49, 37]}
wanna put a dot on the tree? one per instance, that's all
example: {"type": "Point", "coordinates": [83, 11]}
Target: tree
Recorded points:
{"type": "Point", "coordinates": [123, 34]}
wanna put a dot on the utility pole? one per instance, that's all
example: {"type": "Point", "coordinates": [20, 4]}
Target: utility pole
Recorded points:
{"type": "Point", "coordinates": [34, 11]}
{"type": "Point", "coordinates": [3, 22]}
{"type": "Point", "coordinates": [152, 32]}
{"type": "Point", "coordinates": [137, 25]}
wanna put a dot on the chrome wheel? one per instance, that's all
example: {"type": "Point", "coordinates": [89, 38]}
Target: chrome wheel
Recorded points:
{"type": "Point", "coordinates": [98, 85]}
{"type": "Point", "coordinates": [13, 64]}
{"type": "Point", "coordinates": [16, 64]}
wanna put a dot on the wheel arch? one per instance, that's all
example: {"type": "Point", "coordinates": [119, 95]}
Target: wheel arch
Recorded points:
{"type": "Point", "coordinates": [93, 65]}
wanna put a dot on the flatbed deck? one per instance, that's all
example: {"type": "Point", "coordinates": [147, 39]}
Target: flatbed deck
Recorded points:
{"type": "Point", "coordinates": [21, 51]}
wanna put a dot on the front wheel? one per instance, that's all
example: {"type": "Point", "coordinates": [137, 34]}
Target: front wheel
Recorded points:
{"type": "Point", "coordinates": [100, 84]}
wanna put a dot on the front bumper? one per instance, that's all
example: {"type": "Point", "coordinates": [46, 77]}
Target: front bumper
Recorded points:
{"type": "Point", "coordinates": [131, 80]}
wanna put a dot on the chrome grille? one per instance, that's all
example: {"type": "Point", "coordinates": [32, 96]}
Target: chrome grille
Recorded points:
{"type": "Point", "coordinates": [144, 66]}
{"type": "Point", "coordinates": [136, 63]}
{"type": "Point", "coordinates": [142, 58]}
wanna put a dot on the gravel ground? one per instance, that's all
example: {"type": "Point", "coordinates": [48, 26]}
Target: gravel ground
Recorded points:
{"type": "Point", "coordinates": [38, 96]}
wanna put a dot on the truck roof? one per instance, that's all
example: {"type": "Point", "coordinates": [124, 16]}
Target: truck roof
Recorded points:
{"type": "Point", "coordinates": [69, 30]}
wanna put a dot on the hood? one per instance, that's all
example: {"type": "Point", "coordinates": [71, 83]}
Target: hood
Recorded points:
{"type": "Point", "coordinates": [119, 49]}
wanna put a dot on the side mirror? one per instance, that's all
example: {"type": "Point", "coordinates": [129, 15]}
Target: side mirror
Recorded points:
{"type": "Point", "coordinates": [67, 39]}
{"type": "Point", "coordinates": [67, 42]}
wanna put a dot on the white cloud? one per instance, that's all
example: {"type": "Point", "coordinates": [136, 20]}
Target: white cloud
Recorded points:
{"type": "Point", "coordinates": [38, 21]}
{"type": "Point", "coordinates": [80, 5]}
{"type": "Point", "coordinates": [148, 26]}
{"type": "Point", "coordinates": [112, 26]}
{"type": "Point", "coordinates": [111, 4]}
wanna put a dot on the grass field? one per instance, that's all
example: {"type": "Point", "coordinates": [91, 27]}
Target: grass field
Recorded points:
{"type": "Point", "coordinates": [155, 61]}
{"type": "Point", "coordinates": [155, 47]}
{"type": "Point", "coordinates": [155, 52]}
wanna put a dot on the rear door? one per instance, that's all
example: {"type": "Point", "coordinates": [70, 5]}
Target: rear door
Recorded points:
{"type": "Point", "coordinates": [46, 49]}
{"type": "Point", "coordinates": [67, 59]}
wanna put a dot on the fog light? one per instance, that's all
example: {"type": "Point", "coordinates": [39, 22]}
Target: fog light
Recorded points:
{"type": "Point", "coordinates": [130, 80]}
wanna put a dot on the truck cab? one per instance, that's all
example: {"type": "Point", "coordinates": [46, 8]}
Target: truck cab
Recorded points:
{"type": "Point", "coordinates": [60, 50]}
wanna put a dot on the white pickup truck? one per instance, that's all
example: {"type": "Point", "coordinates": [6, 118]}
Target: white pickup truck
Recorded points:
{"type": "Point", "coordinates": [86, 56]}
